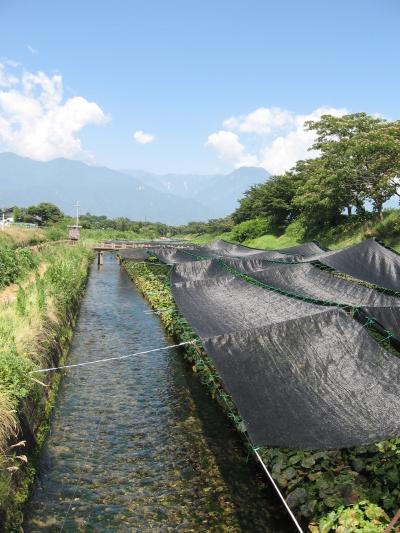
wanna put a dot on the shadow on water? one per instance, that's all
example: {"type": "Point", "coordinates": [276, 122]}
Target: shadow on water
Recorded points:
{"type": "Point", "coordinates": [139, 445]}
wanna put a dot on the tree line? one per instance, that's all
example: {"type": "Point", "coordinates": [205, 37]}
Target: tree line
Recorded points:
{"type": "Point", "coordinates": [358, 164]}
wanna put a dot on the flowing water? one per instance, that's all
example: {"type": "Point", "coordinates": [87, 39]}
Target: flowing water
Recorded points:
{"type": "Point", "coordinates": [138, 444]}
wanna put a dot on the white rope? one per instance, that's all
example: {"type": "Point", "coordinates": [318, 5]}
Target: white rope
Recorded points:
{"type": "Point", "coordinates": [111, 358]}
{"type": "Point", "coordinates": [278, 491]}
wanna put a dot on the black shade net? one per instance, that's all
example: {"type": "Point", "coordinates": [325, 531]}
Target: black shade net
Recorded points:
{"type": "Point", "coordinates": [368, 261]}
{"type": "Point", "coordinates": [227, 249]}
{"type": "Point", "coordinates": [305, 280]}
{"type": "Point", "coordinates": [317, 382]}
{"type": "Point", "coordinates": [134, 254]}
{"type": "Point", "coordinates": [307, 249]}
{"type": "Point", "coordinates": [302, 375]}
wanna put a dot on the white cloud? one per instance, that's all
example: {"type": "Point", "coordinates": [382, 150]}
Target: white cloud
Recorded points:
{"type": "Point", "coordinates": [280, 135]}
{"type": "Point", "coordinates": [262, 120]}
{"type": "Point", "coordinates": [229, 148]}
{"type": "Point", "coordinates": [6, 79]}
{"type": "Point", "coordinates": [143, 138]}
{"type": "Point", "coordinates": [36, 122]}
{"type": "Point", "coordinates": [32, 50]}
{"type": "Point", "coordinates": [284, 150]}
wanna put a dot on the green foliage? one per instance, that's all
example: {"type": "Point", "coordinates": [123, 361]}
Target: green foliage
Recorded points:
{"type": "Point", "coordinates": [363, 517]}
{"type": "Point", "coordinates": [213, 226]}
{"type": "Point", "coordinates": [272, 200]}
{"type": "Point", "coordinates": [297, 230]}
{"type": "Point", "coordinates": [14, 377]}
{"type": "Point", "coordinates": [14, 263]}
{"type": "Point", "coordinates": [64, 276]}
{"type": "Point", "coordinates": [250, 229]}
{"type": "Point", "coordinates": [56, 232]}
{"type": "Point", "coordinates": [42, 214]}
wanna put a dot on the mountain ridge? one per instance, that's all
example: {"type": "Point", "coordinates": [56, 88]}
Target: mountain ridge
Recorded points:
{"type": "Point", "coordinates": [138, 195]}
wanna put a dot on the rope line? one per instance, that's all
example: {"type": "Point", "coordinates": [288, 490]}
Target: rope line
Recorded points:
{"type": "Point", "coordinates": [107, 359]}
{"type": "Point", "coordinates": [277, 490]}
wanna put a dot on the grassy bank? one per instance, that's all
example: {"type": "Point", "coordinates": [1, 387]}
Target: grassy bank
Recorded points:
{"type": "Point", "coordinates": [350, 231]}
{"type": "Point", "coordinates": [331, 491]}
{"type": "Point", "coordinates": [35, 330]}
{"type": "Point", "coordinates": [14, 236]}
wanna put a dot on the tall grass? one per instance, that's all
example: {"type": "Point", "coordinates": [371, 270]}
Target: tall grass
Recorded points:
{"type": "Point", "coordinates": [14, 236]}
{"type": "Point", "coordinates": [30, 329]}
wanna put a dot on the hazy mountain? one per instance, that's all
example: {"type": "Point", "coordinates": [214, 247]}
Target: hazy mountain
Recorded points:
{"type": "Point", "coordinates": [139, 195]}
{"type": "Point", "coordinates": [220, 193]}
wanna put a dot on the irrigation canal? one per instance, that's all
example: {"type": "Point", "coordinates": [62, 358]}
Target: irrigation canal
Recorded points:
{"type": "Point", "coordinates": [138, 444]}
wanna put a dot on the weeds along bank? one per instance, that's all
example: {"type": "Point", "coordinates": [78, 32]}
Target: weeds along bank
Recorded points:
{"type": "Point", "coordinates": [345, 490]}
{"type": "Point", "coordinates": [14, 236]}
{"type": "Point", "coordinates": [35, 331]}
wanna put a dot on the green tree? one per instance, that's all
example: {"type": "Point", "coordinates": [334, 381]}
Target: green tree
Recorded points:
{"type": "Point", "coordinates": [362, 154]}
{"type": "Point", "coordinates": [271, 200]}
{"type": "Point", "coordinates": [44, 213]}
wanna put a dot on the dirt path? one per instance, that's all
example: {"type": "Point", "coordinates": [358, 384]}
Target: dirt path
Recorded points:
{"type": "Point", "coordinates": [9, 294]}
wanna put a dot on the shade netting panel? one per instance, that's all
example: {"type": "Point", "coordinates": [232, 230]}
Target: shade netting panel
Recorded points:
{"type": "Point", "coordinates": [302, 375]}
{"type": "Point", "coordinates": [317, 382]}
{"type": "Point", "coordinates": [224, 248]}
{"type": "Point", "coordinates": [307, 249]}
{"type": "Point", "coordinates": [306, 280]}
{"type": "Point", "coordinates": [226, 304]}
{"type": "Point", "coordinates": [368, 261]}
{"type": "Point", "coordinates": [134, 254]}
{"type": "Point", "coordinates": [172, 256]}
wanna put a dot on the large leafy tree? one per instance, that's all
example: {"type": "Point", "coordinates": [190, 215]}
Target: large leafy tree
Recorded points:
{"type": "Point", "coordinates": [43, 213]}
{"type": "Point", "coordinates": [361, 154]}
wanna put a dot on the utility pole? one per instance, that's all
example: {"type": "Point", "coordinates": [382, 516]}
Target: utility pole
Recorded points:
{"type": "Point", "coordinates": [77, 212]}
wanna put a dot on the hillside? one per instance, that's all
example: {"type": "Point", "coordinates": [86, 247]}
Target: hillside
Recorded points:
{"type": "Point", "coordinates": [386, 229]}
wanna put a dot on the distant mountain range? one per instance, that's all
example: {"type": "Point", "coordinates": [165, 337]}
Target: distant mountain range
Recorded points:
{"type": "Point", "coordinates": [172, 198]}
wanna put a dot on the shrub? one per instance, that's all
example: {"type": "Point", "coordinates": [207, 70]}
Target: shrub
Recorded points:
{"type": "Point", "coordinates": [297, 229]}
{"type": "Point", "coordinates": [250, 229]}
{"type": "Point", "coordinates": [14, 263]}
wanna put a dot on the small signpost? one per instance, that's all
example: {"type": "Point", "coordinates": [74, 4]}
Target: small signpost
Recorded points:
{"type": "Point", "coordinates": [74, 231]}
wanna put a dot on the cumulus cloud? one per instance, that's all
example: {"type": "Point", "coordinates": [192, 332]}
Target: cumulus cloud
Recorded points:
{"type": "Point", "coordinates": [280, 135]}
{"type": "Point", "coordinates": [284, 150]}
{"type": "Point", "coordinates": [143, 138]}
{"type": "Point", "coordinates": [261, 121]}
{"type": "Point", "coordinates": [36, 122]}
{"type": "Point", "coordinates": [229, 148]}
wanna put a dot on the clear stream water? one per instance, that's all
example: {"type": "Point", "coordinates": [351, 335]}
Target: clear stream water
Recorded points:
{"type": "Point", "coordinates": [139, 445]}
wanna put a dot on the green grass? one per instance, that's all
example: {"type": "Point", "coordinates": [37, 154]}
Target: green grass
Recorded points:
{"type": "Point", "coordinates": [34, 328]}
{"type": "Point", "coordinates": [271, 242]}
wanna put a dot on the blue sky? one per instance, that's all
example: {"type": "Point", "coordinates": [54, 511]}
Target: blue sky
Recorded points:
{"type": "Point", "coordinates": [178, 70]}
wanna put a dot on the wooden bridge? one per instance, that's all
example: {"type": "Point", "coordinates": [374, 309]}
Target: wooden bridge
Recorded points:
{"type": "Point", "coordinates": [109, 246]}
